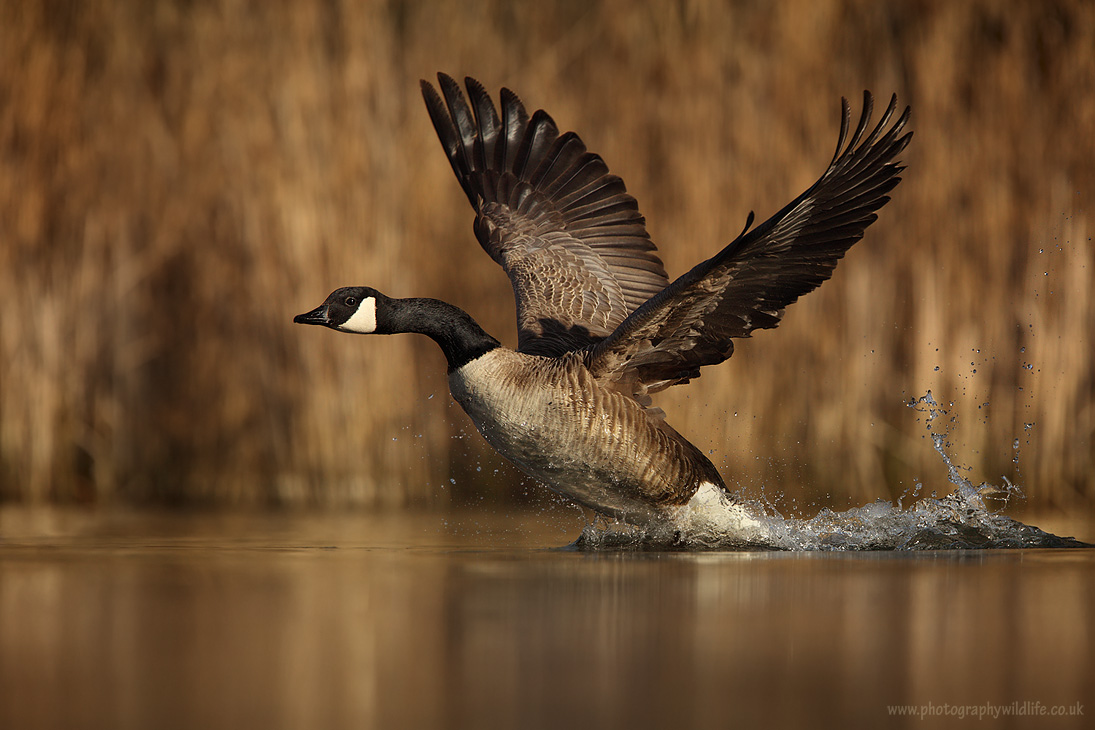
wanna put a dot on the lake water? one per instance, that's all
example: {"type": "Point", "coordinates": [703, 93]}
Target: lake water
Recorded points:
{"type": "Point", "coordinates": [477, 620]}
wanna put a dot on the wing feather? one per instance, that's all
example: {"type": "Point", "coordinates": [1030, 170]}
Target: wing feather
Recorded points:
{"type": "Point", "coordinates": [747, 285]}
{"type": "Point", "coordinates": [564, 229]}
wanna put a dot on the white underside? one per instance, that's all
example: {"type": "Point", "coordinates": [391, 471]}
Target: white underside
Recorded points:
{"type": "Point", "coordinates": [710, 513]}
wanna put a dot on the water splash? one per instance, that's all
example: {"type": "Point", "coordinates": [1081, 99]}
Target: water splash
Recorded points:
{"type": "Point", "coordinates": [966, 519]}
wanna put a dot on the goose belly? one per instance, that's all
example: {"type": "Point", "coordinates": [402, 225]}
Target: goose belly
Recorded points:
{"type": "Point", "coordinates": [553, 421]}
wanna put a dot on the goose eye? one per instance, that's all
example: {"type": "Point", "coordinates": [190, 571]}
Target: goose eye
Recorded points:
{"type": "Point", "coordinates": [350, 301]}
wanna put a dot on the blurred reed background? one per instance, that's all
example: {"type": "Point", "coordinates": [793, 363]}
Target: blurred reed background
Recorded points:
{"type": "Point", "coordinates": [178, 179]}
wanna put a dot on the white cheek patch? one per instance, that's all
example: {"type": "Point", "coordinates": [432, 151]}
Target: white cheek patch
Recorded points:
{"type": "Point", "coordinates": [363, 321]}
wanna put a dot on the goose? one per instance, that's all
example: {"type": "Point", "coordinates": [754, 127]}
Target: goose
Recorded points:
{"type": "Point", "coordinates": [600, 326]}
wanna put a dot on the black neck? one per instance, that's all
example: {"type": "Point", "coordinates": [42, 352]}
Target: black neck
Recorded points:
{"type": "Point", "coordinates": [460, 337]}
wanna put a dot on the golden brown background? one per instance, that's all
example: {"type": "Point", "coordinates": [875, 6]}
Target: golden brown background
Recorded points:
{"type": "Point", "coordinates": [178, 179]}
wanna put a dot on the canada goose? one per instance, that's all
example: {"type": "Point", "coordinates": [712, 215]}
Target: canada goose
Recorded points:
{"type": "Point", "coordinates": [600, 326]}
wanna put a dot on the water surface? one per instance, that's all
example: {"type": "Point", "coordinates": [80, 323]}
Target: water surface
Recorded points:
{"type": "Point", "coordinates": [138, 620]}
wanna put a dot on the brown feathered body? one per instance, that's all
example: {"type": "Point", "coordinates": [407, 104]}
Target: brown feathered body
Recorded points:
{"type": "Point", "coordinates": [594, 444]}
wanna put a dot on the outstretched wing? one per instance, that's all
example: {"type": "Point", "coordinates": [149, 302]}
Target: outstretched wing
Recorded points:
{"type": "Point", "coordinates": [748, 284]}
{"type": "Point", "coordinates": [563, 228]}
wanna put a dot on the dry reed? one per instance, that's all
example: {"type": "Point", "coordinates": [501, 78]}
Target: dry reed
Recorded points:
{"type": "Point", "coordinates": [178, 179]}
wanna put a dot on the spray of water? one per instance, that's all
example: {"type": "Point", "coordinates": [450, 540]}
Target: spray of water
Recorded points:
{"type": "Point", "coordinates": [967, 518]}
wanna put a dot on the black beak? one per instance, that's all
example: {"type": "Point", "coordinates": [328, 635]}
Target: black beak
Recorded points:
{"type": "Point", "coordinates": [316, 316]}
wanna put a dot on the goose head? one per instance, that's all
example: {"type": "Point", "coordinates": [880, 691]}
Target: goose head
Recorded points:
{"type": "Point", "coordinates": [365, 311]}
{"type": "Point", "coordinates": [349, 309]}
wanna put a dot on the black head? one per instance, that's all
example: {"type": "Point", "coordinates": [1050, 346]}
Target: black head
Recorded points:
{"type": "Point", "coordinates": [349, 309]}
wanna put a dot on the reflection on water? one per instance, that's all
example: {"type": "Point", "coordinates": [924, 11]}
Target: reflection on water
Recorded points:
{"type": "Point", "coordinates": [214, 621]}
